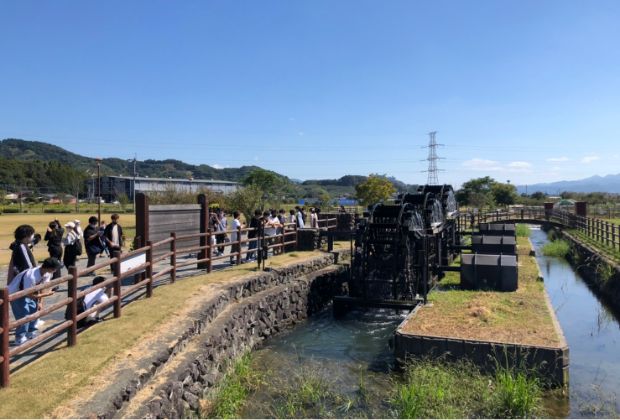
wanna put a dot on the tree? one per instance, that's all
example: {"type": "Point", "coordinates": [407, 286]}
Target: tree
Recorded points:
{"type": "Point", "coordinates": [504, 194]}
{"type": "Point", "coordinates": [374, 189]}
{"type": "Point", "coordinates": [477, 192]}
{"type": "Point", "coordinates": [265, 180]}
{"type": "Point", "coordinates": [245, 200]}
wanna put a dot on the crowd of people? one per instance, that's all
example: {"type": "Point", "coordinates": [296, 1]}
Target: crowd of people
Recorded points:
{"type": "Point", "coordinates": [64, 246]}
{"type": "Point", "coordinates": [66, 243]}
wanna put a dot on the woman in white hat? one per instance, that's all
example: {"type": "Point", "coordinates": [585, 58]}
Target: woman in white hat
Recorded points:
{"type": "Point", "coordinates": [71, 242]}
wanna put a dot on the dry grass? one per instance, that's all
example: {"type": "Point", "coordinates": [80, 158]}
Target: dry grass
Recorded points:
{"type": "Point", "coordinates": [67, 373]}
{"type": "Point", "coordinates": [509, 317]}
{"type": "Point", "coordinates": [8, 223]}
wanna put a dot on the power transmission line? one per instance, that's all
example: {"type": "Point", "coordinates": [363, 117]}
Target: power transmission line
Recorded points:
{"type": "Point", "coordinates": [432, 159]}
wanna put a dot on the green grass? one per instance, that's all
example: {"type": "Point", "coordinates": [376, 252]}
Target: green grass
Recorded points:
{"type": "Point", "coordinates": [232, 391]}
{"type": "Point", "coordinates": [609, 251]}
{"type": "Point", "coordinates": [557, 248]}
{"type": "Point", "coordinates": [523, 230]}
{"type": "Point", "coordinates": [435, 389]}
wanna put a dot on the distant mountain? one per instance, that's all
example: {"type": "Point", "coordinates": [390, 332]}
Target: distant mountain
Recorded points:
{"type": "Point", "coordinates": [605, 184]}
{"type": "Point", "coordinates": [22, 150]}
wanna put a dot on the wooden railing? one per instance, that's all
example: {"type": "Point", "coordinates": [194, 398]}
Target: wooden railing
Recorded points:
{"type": "Point", "coordinates": [600, 231]}
{"type": "Point", "coordinates": [166, 261]}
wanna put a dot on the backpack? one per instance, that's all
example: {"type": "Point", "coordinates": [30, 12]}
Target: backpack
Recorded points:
{"type": "Point", "coordinates": [81, 307]}
{"type": "Point", "coordinates": [77, 246]}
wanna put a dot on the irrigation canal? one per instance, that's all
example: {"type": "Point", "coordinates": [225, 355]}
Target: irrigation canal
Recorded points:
{"type": "Point", "coordinates": [352, 355]}
{"type": "Point", "coordinates": [592, 331]}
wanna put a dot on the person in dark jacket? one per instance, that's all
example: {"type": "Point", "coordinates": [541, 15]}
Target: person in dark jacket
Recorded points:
{"type": "Point", "coordinates": [92, 241]}
{"type": "Point", "coordinates": [53, 236]}
{"type": "Point", "coordinates": [252, 234]}
{"type": "Point", "coordinates": [21, 255]}
{"type": "Point", "coordinates": [113, 235]}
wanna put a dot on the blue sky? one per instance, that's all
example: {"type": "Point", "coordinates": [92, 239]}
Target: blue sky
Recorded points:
{"type": "Point", "coordinates": [526, 91]}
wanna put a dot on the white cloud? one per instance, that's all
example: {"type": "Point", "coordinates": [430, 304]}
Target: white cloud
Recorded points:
{"type": "Point", "coordinates": [589, 159]}
{"type": "Point", "coordinates": [519, 166]}
{"type": "Point", "coordinates": [218, 166]}
{"type": "Point", "coordinates": [558, 159]}
{"type": "Point", "coordinates": [482, 165]}
{"type": "Point", "coordinates": [301, 133]}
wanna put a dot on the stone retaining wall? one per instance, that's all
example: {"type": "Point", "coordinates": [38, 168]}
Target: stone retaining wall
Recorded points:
{"type": "Point", "coordinates": [236, 319]}
{"type": "Point", "coordinates": [241, 330]}
{"type": "Point", "coordinates": [601, 273]}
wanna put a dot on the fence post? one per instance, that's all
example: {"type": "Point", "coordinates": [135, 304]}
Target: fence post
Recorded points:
{"type": "Point", "coordinates": [149, 269]}
{"type": "Point", "coordinates": [4, 345]}
{"type": "Point", "coordinates": [72, 293]}
{"type": "Point", "coordinates": [116, 271]}
{"type": "Point", "coordinates": [296, 238]}
{"type": "Point", "coordinates": [607, 233]}
{"type": "Point", "coordinates": [239, 248]}
{"type": "Point", "coordinates": [209, 251]}
{"type": "Point", "coordinates": [173, 257]}
{"type": "Point", "coordinates": [613, 235]}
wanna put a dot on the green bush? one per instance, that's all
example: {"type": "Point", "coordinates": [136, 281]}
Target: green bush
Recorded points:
{"type": "Point", "coordinates": [558, 248]}
{"type": "Point", "coordinates": [523, 230]}
{"type": "Point", "coordinates": [10, 210]}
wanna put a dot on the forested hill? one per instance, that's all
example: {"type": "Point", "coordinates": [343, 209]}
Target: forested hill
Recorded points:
{"type": "Point", "coordinates": [48, 168]}
{"type": "Point", "coordinates": [33, 151]}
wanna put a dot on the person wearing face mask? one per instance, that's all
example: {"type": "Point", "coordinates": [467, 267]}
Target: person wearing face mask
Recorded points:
{"type": "Point", "coordinates": [28, 305]}
{"type": "Point", "coordinates": [21, 254]}
{"type": "Point", "coordinates": [92, 241]}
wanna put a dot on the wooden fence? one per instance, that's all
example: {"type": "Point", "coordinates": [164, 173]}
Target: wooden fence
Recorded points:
{"type": "Point", "coordinates": [600, 231]}
{"type": "Point", "coordinates": [162, 255]}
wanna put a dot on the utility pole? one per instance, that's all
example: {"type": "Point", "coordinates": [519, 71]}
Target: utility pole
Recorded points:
{"type": "Point", "coordinates": [135, 156]}
{"type": "Point", "coordinates": [432, 159]}
{"type": "Point", "coordinates": [98, 160]}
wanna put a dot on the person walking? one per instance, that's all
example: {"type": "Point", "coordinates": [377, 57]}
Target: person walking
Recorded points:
{"type": "Point", "coordinates": [28, 305]}
{"type": "Point", "coordinates": [92, 241]}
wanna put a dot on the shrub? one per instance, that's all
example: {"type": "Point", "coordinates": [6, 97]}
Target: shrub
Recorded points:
{"type": "Point", "coordinates": [523, 230]}
{"type": "Point", "coordinates": [558, 248]}
{"type": "Point", "coordinates": [10, 210]}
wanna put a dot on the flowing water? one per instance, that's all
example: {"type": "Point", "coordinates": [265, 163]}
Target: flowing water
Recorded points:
{"type": "Point", "coordinates": [592, 331]}
{"type": "Point", "coordinates": [352, 357]}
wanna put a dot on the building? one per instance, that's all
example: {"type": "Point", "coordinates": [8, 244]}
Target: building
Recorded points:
{"type": "Point", "coordinates": [113, 186]}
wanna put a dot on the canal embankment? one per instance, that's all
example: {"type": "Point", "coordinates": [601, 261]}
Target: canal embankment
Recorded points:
{"type": "Point", "coordinates": [119, 357]}
{"type": "Point", "coordinates": [490, 328]}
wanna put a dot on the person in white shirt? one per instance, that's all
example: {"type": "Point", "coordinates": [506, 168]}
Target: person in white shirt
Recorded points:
{"type": "Point", "coordinates": [95, 298]}
{"type": "Point", "coordinates": [314, 219]}
{"type": "Point", "coordinates": [300, 218]}
{"type": "Point", "coordinates": [234, 236]}
{"type": "Point", "coordinates": [27, 305]}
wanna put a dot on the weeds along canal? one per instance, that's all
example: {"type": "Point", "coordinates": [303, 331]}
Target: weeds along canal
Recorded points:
{"type": "Point", "coordinates": [346, 362]}
{"type": "Point", "coordinates": [592, 331]}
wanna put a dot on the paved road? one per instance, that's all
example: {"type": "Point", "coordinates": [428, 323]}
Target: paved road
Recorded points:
{"type": "Point", "coordinates": [57, 316]}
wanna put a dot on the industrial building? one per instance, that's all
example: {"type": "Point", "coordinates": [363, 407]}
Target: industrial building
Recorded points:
{"type": "Point", "coordinates": [113, 186]}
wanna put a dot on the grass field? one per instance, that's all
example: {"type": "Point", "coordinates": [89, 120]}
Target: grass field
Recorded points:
{"type": "Point", "coordinates": [8, 223]}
